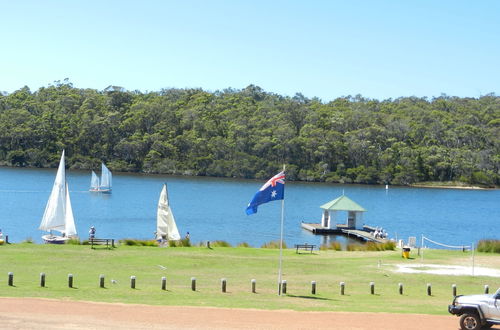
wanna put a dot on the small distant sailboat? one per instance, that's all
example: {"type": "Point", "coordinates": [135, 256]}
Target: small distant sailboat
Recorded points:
{"type": "Point", "coordinates": [166, 229]}
{"type": "Point", "coordinates": [103, 185]}
{"type": "Point", "coordinates": [58, 213]}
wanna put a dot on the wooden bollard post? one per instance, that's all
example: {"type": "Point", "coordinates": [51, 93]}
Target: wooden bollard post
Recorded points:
{"type": "Point", "coordinates": [429, 289]}
{"type": "Point", "coordinates": [454, 290]}
{"type": "Point", "coordinates": [70, 280]}
{"type": "Point", "coordinates": [486, 289]}
{"type": "Point", "coordinates": [372, 287]}
{"type": "Point", "coordinates": [11, 279]}
{"type": "Point", "coordinates": [400, 285]}
{"type": "Point", "coordinates": [208, 244]}
{"type": "Point", "coordinates": [342, 288]}
{"type": "Point", "coordinates": [193, 283]}
{"type": "Point", "coordinates": [132, 282]}
{"type": "Point", "coordinates": [101, 281]}
{"type": "Point", "coordinates": [313, 287]}
{"type": "Point", "coordinates": [164, 283]}
{"type": "Point", "coordinates": [283, 286]}
{"type": "Point", "coordinates": [254, 283]}
{"type": "Point", "coordinates": [223, 284]}
{"type": "Point", "coordinates": [42, 280]}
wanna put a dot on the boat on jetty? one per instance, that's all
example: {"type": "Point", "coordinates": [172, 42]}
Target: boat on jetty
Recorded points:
{"type": "Point", "coordinates": [331, 222]}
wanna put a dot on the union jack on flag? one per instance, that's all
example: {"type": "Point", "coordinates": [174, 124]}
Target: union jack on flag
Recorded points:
{"type": "Point", "coordinates": [272, 190]}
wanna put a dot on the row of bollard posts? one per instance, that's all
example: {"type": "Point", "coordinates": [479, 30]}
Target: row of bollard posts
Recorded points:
{"type": "Point", "coordinates": [224, 285]}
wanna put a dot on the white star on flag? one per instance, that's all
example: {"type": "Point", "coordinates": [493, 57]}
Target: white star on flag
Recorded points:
{"type": "Point", "coordinates": [273, 194]}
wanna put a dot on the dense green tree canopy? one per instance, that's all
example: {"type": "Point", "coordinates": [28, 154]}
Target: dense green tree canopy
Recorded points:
{"type": "Point", "coordinates": [250, 133]}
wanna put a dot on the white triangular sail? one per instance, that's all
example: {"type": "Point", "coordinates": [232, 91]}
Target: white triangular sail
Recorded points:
{"type": "Point", "coordinates": [58, 213]}
{"type": "Point", "coordinates": [165, 222]}
{"type": "Point", "coordinates": [70, 229]}
{"type": "Point", "coordinates": [94, 182]}
{"type": "Point", "coordinates": [106, 178]}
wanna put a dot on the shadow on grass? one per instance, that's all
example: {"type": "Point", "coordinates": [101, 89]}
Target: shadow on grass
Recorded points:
{"type": "Point", "coordinates": [307, 297]}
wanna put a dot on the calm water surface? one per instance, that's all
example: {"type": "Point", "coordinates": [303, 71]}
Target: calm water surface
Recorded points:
{"type": "Point", "coordinates": [214, 209]}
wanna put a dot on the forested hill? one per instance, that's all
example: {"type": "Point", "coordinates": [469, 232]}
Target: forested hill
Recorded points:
{"type": "Point", "coordinates": [251, 133]}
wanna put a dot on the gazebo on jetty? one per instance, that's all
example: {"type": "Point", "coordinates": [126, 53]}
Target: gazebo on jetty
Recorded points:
{"type": "Point", "coordinates": [352, 225]}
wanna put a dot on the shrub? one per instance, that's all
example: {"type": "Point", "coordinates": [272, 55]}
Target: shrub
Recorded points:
{"type": "Point", "coordinates": [219, 244]}
{"type": "Point", "coordinates": [244, 244]}
{"type": "Point", "coordinates": [186, 242]}
{"type": "Point", "coordinates": [138, 242]}
{"type": "Point", "coordinates": [389, 245]}
{"type": "Point", "coordinates": [489, 245]}
{"type": "Point", "coordinates": [73, 241]}
{"type": "Point", "coordinates": [28, 240]}
{"type": "Point", "coordinates": [372, 246]}
{"type": "Point", "coordinates": [180, 243]}
{"type": "Point", "coordinates": [273, 245]}
{"type": "Point", "coordinates": [332, 246]}
{"type": "Point", "coordinates": [355, 247]}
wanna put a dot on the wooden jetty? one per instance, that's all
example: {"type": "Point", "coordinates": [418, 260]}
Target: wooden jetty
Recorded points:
{"type": "Point", "coordinates": [366, 234]}
{"type": "Point", "coordinates": [352, 228]}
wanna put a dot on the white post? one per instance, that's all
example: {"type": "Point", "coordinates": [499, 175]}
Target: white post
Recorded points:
{"type": "Point", "coordinates": [422, 248]}
{"type": "Point", "coordinates": [472, 247]}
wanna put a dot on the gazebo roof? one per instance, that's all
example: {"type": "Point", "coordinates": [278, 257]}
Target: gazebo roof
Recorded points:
{"type": "Point", "coordinates": [343, 203]}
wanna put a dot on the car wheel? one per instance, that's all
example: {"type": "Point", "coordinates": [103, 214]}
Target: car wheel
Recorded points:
{"type": "Point", "coordinates": [470, 322]}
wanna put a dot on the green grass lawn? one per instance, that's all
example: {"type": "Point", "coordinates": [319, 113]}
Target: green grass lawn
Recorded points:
{"type": "Point", "coordinates": [239, 266]}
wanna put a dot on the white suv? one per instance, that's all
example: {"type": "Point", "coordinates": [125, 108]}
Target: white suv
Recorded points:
{"type": "Point", "coordinates": [477, 311]}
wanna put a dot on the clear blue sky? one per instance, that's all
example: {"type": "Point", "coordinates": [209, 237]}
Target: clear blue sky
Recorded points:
{"type": "Point", "coordinates": [325, 49]}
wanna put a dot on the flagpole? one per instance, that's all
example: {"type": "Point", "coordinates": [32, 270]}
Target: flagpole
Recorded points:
{"type": "Point", "coordinates": [281, 246]}
{"type": "Point", "coordinates": [281, 240]}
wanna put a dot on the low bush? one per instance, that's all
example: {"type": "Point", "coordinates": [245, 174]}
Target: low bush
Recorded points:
{"type": "Point", "coordinates": [273, 245]}
{"type": "Point", "coordinates": [332, 246]}
{"type": "Point", "coordinates": [219, 244]}
{"type": "Point", "coordinates": [244, 245]}
{"type": "Point", "coordinates": [185, 242]}
{"type": "Point", "coordinates": [372, 246]}
{"type": "Point", "coordinates": [138, 242]}
{"type": "Point", "coordinates": [389, 245]}
{"type": "Point", "coordinates": [73, 241]}
{"type": "Point", "coordinates": [489, 245]}
{"type": "Point", "coordinates": [355, 247]}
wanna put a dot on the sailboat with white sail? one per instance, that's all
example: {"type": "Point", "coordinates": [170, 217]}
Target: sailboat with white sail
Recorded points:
{"type": "Point", "coordinates": [58, 215]}
{"type": "Point", "coordinates": [166, 228]}
{"type": "Point", "coordinates": [104, 184]}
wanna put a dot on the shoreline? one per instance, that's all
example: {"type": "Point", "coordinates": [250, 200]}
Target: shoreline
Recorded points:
{"type": "Point", "coordinates": [451, 187]}
{"type": "Point", "coordinates": [456, 185]}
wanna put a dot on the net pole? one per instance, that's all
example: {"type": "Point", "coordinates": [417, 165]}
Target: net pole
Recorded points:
{"type": "Point", "coordinates": [472, 245]}
{"type": "Point", "coordinates": [422, 248]}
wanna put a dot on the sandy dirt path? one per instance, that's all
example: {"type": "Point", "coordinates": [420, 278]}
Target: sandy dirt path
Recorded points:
{"type": "Point", "coordinates": [31, 313]}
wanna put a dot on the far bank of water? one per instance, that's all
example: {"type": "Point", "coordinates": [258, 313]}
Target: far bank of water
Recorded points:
{"type": "Point", "coordinates": [214, 209]}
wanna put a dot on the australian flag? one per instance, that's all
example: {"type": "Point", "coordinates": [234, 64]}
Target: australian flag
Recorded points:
{"type": "Point", "coordinates": [272, 190]}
